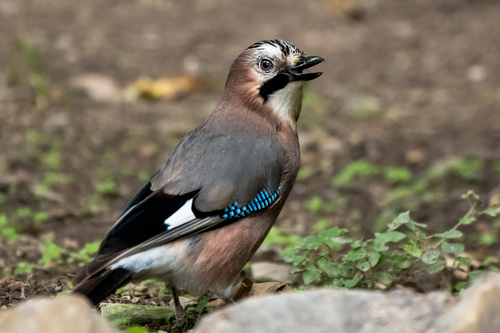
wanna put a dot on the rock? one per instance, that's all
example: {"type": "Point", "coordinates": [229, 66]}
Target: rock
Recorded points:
{"type": "Point", "coordinates": [400, 311]}
{"type": "Point", "coordinates": [268, 271]}
{"type": "Point", "coordinates": [98, 87]}
{"type": "Point", "coordinates": [477, 310]}
{"type": "Point", "coordinates": [329, 310]}
{"type": "Point", "coordinates": [131, 314]}
{"type": "Point", "coordinates": [59, 315]}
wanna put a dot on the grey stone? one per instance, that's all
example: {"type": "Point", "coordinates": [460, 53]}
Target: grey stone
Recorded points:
{"type": "Point", "coordinates": [268, 271]}
{"type": "Point", "coordinates": [478, 310]}
{"type": "Point", "coordinates": [329, 310]}
{"type": "Point", "coordinates": [98, 87]}
{"type": "Point", "coordinates": [71, 313]}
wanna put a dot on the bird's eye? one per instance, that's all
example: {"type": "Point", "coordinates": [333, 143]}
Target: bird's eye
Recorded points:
{"type": "Point", "coordinates": [266, 65]}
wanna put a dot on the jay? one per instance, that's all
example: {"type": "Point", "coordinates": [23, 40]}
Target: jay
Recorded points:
{"type": "Point", "coordinates": [203, 215]}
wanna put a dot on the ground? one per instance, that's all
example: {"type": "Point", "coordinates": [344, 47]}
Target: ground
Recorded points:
{"type": "Point", "coordinates": [412, 90]}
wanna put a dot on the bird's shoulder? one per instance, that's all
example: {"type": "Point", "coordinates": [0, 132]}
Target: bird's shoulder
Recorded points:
{"type": "Point", "coordinates": [224, 165]}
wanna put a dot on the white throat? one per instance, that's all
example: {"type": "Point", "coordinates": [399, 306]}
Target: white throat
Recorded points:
{"type": "Point", "coordinates": [286, 102]}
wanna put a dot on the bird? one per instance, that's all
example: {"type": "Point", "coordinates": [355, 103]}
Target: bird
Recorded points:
{"type": "Point", "coordinates": [208, 208]}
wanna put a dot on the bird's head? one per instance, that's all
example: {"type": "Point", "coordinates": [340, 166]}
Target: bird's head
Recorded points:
{"type": "Point", "coordinates": [268, 78]}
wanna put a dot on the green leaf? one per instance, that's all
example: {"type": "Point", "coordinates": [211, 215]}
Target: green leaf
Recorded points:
{"type": "Point", "coordinates": [330, 268]}
{"type": "Point", "coordinates": [341, 241]}
{"type": "Point", "coordinates": [357, 244]}
{"type": "Point", "coordinates": [363, 266]}
{"type": "Point", "coordinates": [298, 260]}
{"type": "Point", "coordinates": [430, 257]}
{"type": "Point", "coordinates": [52, 254]}
{"type": "Point", "coordinates": [295, 270]}
{"type": "Point", "coordinates": [454, 249]}
{"type": "Point", "coordinates": [404, 218]}
{"type": "Point", "coordinates": [24, 267]}
{"type": "Point", "coordinates": [202, 302]}
{"type": "Point", "coordinates": [312, 242]}
{"type": "Point", "coordinates": [404, 263]}
{"type": "Point", "coordinates": [449, 234]}
{"type": "Point", "coordinates": [356, 254]}
{"type": "Point", "coordinates": [351, 283]}
{"type": "Point", "coordinates": [467, 220]}
{"type": "Point", "coordinates": [385, 278]}
{"type": "Point", "coordinates": [310, 275]}
{"type": "Point", "coordinates": [412, 249]}
{"type": "Point", "coordinates": [398, 175]}
{"type": "Point", "coordinates": [135, 329]}
{"type": "Point", "coordinates": [437, 266]}
{"type": "Point", "coordinates": [493, 210]}
{"type": "Point", "coordinates": [476, 274]}
{"type": "Point", "coordinates": [327, 236]}
{"type": "Point", "coordinates": [401, 219]}
{"type": "Point", "coordinates": [462, 261]}
{"type": "Point", "coordinates": [323, 250]}
{"type": "Point", "coordinates": [373, 258]}
{"type": "Point", "coordinates": [382, 239]}
{"type": "Point", "coordinates": [344, 270]}
{"type": "Point", "coordinates": [289, 257]}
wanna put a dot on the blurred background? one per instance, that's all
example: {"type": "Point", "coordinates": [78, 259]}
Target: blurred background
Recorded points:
{"type": "Point", "coordinates": [95, 94]}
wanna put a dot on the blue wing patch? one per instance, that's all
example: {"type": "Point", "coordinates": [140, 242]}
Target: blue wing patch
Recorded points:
{"type": "Point", "coordinates": [262, 200]}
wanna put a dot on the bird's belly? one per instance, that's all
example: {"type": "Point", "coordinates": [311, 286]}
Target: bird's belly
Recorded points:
{"type": "Point", "coordinates": [208, 261]}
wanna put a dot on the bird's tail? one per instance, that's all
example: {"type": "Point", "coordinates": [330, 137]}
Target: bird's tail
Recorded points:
{"type": "Point", "coordinates": [100, 285]}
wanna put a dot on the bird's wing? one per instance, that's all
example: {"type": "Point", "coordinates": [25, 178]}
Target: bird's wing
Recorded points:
{"type": "Point", "coordinates": [208, 180]}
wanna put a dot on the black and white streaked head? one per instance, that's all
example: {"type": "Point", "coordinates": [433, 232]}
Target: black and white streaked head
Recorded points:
{"type": "Point", "coordinates": [268, 77]}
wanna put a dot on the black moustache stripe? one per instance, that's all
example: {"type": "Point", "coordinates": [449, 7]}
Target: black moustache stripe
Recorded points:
{"type": "Point", "coordinates": [271, 86]}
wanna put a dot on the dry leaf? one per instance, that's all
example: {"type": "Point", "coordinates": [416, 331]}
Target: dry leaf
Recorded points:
{"type": "Point", "coordinates": [247, 288]}
{"type": "Point", "coordinates": [268, 288]}
{"type": "Point", "coordinates": [168, 88]}
{"type": "Point", "coordinates": [352, 8]}
{"type": "Point", "coordinates": [242, 289]}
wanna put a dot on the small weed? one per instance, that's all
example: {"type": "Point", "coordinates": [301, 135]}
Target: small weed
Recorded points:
{"type": "Point", "coordinates": [277, 236]}
{"type": "Point", "coordinates": [51, 253]}
{"type": "Point", "coordinates": [354, 170]}
{"type": "Point", "coordinates": [108, 186]}
{"type": "Point", "coordinates": [397, 175]}
{"type": "Point", "coordinates": [37, 79]}
{"type": "Point", "coordinates": [466, 168]}
{"type": "Point", "coordinates": [143, 176]}
{"type": "Point", "coordinates": [23, 267]}
{"type": "Point", "coordinates": [85, 255]}
{"type": "Point", "coordinates": [6, 231]}
{"type": "Point", "coordinates": [304, 173]}
{"type": "Point", "coordinates": [365, 107]}
{"type": "Point", "coordinates": [331, 259]}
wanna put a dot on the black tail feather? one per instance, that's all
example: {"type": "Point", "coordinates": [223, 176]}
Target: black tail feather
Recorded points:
{"type": "Point", "coordinates": [98, 287]}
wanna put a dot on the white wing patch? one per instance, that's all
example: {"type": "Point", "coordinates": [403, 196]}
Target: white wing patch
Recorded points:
{"type": "Point", "coordinates": [183, 215]}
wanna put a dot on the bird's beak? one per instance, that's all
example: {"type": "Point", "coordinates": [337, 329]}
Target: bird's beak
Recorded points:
{"type": "Point", "coordinates": [295, 73]}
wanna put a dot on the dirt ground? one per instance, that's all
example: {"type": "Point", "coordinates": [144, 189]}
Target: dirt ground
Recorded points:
{"type": "Point", "coordinates": [405, 84]}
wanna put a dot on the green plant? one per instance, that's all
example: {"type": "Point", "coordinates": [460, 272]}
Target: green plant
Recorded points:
{"type": "Point", "coordinates": [108, 186]}
{"type": "Point", "coordinates": [466, 168]}
{"type": "Point", "coordinates": [389, 258]}
{"type": "Point", "coordinates": [51, 253]}
{"type": "Point", "coordinates": [6, 231]}
{"type": "Point", "coordinates": [355, 169]}
{"type": "Point", "coordinates": [85, 255]}
{"type": "Point", "coordinates": [23, 267]}
{"type": "Point", "coordinates": [37, 79]}
{"type": "Point", "coordinates": [277, 236]}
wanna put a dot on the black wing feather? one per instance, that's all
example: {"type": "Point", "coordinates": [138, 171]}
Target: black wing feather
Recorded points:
{"type": "Point", "coordinates": [142, 194]}
{"type": "Point", "coordinates": [142, 222]}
